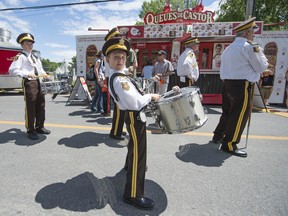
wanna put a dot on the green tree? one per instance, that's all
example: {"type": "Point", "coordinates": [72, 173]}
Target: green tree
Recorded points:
{"type": "Point", "coordinates": [49, 66]}
{"type": "Point", "coordinates": [269, 11]}
{"type": "Point", "coordinates": [73, 64]}
{"type": "Point", "coordinates": [156, 6]}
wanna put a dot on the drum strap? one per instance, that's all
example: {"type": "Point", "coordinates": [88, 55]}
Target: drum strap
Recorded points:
{"type": "Point", "coordinates": [32, 57]}
{"type": "Point", "coordinates": [123, 75]}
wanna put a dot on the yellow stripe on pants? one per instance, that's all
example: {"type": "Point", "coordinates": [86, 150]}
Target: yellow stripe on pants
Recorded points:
{"type": "Point", "coordinates": [26, 111]}
{"type": "Point", "coordinates": [135, 155]}
{"type": "Point", "coordinates": [240, 119]}
{"type": "Point", "coordinates": [117, 120]}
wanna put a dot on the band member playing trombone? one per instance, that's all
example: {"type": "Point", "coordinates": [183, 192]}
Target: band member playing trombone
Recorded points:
{"type": "Point", "coordinates": [29, 67]}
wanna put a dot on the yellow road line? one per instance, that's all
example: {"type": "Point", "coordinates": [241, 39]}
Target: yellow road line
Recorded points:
{"type": "Point", "coordinates": [192, 133]}
{"type": "Point", "coordinates": [269, 110]}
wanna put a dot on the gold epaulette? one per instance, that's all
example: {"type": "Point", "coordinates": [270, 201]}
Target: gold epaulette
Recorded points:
{"type": "Point", "coordinates": [254, 45]}
{"type": "Point", "coordinates": [191, 54]}
{"type": "Point", "coordinates": [15, 58]}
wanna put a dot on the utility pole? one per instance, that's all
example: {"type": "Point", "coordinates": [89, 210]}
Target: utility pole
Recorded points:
{"type": "Point", "coordinates": [249, 9]}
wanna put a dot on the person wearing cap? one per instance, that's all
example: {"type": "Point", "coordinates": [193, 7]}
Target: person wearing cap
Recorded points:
{"type": "Point", "coordinates": [163, 69]}
{"type": "Point", "coordinates": [116, 131]}
{"type": "Point", "coordinates": [266, 84]}
{"type": "Point", "coordinates": [187, 67]}
{"type": "Point", "coordinates": [130, 98]}
{"type": "Point", "coordinates": [97, 101]}
{"type": "Point", "coordinates": [27, 65]}
{"type": "Point", "coordinates": [242, 62]}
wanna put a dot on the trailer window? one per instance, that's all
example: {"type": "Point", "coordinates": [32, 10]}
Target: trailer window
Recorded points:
{"type": "Point", "coordinates": [205, 56]}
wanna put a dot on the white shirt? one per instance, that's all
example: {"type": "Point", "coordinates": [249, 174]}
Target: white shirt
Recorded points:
{"type": "Point", "coordinates": [239, 61]}
{"type": "Point", "coordinates": [128, 96]}
{"type": "Point", "coordinates": [162, 68]}
{"type": "Point", "coordinates": [101, 69]}
{"type": "Point", "coordinates": [187, 65]}
{"type": "Point", "coordinates": [107, 68]}
{"type": "Point", "coordinates": [23, 66]}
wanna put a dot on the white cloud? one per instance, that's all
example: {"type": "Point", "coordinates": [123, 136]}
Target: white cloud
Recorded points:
{"type": "Point", "coordinates": [55, 45]}
{"type": "Point", "coordinates": [17, 3]}
{"type": "Point", "coordinates": [214, 6]}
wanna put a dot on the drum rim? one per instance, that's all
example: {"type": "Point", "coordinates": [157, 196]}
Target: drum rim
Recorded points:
{"type": "Point", "coordinates": [178, 96]}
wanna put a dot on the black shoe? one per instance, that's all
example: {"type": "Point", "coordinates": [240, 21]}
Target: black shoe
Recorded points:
{"type": "Point", "coordinates": [33, 135]}
{"type": "Point", "coordinates": [117, 137]}
{"type": "Point", "coordinates": [140, 202]}
{"type": "Point", "coordinates": [43, 131]}
{"type": "Point", "coordinates": [216, 141]}
{"type": "Point", "coordinates": [236, 152]}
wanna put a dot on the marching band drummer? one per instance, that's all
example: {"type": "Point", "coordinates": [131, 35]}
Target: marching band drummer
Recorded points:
{"type": "Point", "coordinates": [116, 131]}
{"type": "Point", "coordinates": [28, 66]}
{"type": "Point", "coordinates": [129, 98]}
{"type": "Point", "coordinates": [187, 67]}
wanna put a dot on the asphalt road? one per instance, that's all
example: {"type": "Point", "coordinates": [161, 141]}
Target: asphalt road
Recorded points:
{"type": "Point", "coordinates": [77, 169]}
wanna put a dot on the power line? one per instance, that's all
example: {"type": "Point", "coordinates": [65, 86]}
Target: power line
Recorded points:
{"type": "Point", "coordinates": [56, 5]}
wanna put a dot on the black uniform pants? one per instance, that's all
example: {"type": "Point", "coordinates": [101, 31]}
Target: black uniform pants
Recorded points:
{"type": "Point", "coordinates": [34, 105]}
{"type": "Point", "coordinates": [117, 121]}
{"type": "Point", "coordinates": [236, 99]}
{"type": "Point", "coordinates": [137, 154]}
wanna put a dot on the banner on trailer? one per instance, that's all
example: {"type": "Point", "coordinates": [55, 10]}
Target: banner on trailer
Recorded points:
{"type": "Point", "coordinates": [275, 48]}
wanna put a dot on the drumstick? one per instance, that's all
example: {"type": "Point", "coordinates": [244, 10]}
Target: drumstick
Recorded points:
{"type": "Point", "coordinates": [39, 76]}
{"type": "Point", "coordinates": [150, 84]}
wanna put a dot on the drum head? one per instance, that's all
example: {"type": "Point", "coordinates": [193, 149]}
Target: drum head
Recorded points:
{"type": "Point", "coordinates": [175, 95]}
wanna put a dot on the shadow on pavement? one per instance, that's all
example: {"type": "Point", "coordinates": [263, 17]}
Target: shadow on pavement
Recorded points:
{"type": "Point", "coordinates": [87, 139]}
{"type": "Point", "coordinates": [212, 110]}
{"type": "Point", "coordinates": [202, 155]}
{"type": "Point", "coordinates": [80, 113]}
{"type": "Point", "coordinates": [86, 192]}
{"type": "Point", "coordinates": [19, 137]}
{"type": "Point", "coordinates": [101, 120]}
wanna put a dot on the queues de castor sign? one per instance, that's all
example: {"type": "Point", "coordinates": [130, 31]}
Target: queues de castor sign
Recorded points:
{"type": "Point", "coordinates": [185, 16]}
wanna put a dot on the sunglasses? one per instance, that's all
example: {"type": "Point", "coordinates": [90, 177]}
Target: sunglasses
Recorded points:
{"type": "Point", "coordinates": [159, 54]}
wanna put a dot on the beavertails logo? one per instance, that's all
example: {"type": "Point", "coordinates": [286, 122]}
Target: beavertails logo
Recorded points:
{"type": "Point", "coordinates": [186, 17]}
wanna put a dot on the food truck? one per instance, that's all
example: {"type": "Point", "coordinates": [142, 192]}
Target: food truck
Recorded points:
{"type": "Point", "coordinates": [169, 29]}
{"type": "Point", "coordinates": [7, 53]}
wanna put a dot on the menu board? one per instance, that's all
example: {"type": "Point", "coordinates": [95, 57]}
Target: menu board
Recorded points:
{"type": "Point", "coordinates": [163, 31]}
{"type": "Point", "coordinates": [219, 29]}
{"type": "Point", "coordinates": [152, 31]}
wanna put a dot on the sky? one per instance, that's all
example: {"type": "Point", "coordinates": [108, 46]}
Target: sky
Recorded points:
{"type": "Point", "coordinates": [55, 29]}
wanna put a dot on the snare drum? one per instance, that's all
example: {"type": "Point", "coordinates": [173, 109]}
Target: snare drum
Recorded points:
{"type": "Point", "coordinates": [181, 111]}
{"type": "Point", "coordinates": [51, 87]}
